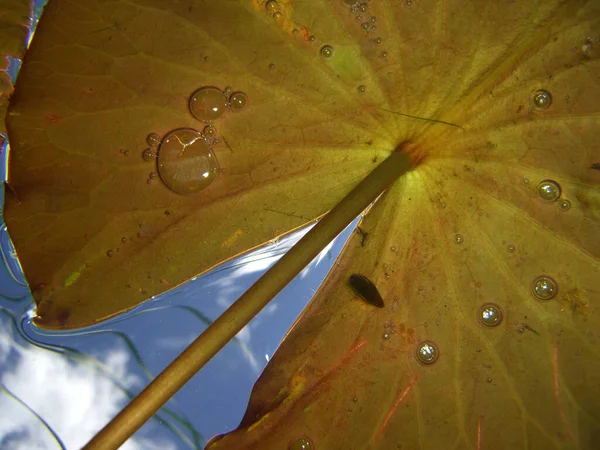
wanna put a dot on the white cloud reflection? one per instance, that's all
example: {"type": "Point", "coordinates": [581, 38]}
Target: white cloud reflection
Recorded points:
{"type": "Point", "coordinates": [75, 400]}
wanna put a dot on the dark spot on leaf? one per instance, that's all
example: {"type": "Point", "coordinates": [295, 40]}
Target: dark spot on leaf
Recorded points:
{"type": "Point", "coordinates": [595, 166]}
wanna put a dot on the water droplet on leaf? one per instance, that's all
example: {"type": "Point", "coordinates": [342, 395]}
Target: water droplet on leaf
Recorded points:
{"type": "Point", "coordinates": [362, 89]}
{"type": "Point", "coordinates": [148, 154]}
{"type": "Point", "coordinates": [301, 444]}
{"type": "Point", "coordinates": [326, 51]}
{"type": "Point", "coordinates": [271, 6]}
{"type": "Point", "coordinates": [427, 352]}
{"type": "Point", "coordinates": [458, 239]}
{"type": "Point", "coordinates": [549, 190]}
{"type": "Point", "coordinates": [510, 248]}
{"type": "Point", "coordinates": [238, 100]}
{"type": "Point", "coordinates": [541, 99]}
{"type": "Point", "coordinates": [207, 103]}
{"type": "Point", "coordinates": [186, 162]}
{"type": "Point", "coordinates": [544, 287]}
{"type": "Point", "coordinates": [565, 205]}
{"type": "Point", "coordinates": [490, 315]}
{"type": "Point", "coordinates": [209, 131]}
{"type": "Point", "coordinates": [153, 139]}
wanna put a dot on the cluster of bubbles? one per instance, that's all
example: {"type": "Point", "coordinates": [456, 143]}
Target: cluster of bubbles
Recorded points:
{"type": "Point", "coordinates": [209, 103]}
{"type": "Point", "coordinates": [272, 8]}
{"type": "Point", "coordinates": [184, 157]}
{"type": "Point", "coordinates": [551, 191]}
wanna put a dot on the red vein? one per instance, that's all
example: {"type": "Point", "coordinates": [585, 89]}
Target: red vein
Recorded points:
{"type": "Point", "coordinates": [399, 399]}
{"type": "Point", "coordinates": [557, 394]}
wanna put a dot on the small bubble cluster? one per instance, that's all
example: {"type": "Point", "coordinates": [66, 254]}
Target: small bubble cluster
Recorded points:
{"type": "Point", "coordinates": [427, 352]}
{"type": "Point", "coordinates": [544, 287]}
{"type": "Point", "coordinates": [210, 103]}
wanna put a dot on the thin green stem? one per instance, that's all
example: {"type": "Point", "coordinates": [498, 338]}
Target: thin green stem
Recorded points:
{"type": "Point", "coordinates": [199, 352]}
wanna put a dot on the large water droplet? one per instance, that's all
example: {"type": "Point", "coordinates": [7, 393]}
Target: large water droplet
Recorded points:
{"type": "Point", "coordinates": [301, 443]}
{"type": "Point", "coordinates": [238, 100]}
{"type": "Point", "coordinates": [490, 315]}
{"type": "Point", "coordinates": [549, 190]}
{"type": "Point", "coordinates": [541, 99]}
{"type": "Point", "coordinates": [186, 162]}
{"type": "Point", "coordinates": [427, 352]}
{"type": "Point", "coordinates": [544, 287]}
{"type": "Point", "coordinates": [326, 51]}
{"type": "Point", "coordinates": [207, 103]}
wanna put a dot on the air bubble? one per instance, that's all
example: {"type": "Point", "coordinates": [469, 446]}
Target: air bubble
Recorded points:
{"type": "Point", "coordinates": [458, 239]}
{"type": "Point", "coordinates": [365, 26]}
{"type": "Point", "coordinates": [301, 443]}
{"type": "Point", "coordinates": [186, 162]}
{"type": "Point", "coordinates": [238, 100]}
{"type": "Point", "coordinates": [207, 103]}
{"type": "Point", "coordinates": [510, 248]}
{"type": "Point", "coordinates": [565, 205]}
{"type": "Point", "coordinates": [544, 287]}
{"type": "Point", "coordinates": [490, 315]}
{"type": "Point", "coordinates": [148, 155]}
{"type": "Point", "coordinates": [153, 139]}
{"type": "Point", "coordinates": [362, 89]}
{"type": "Point", "coordinates": [541, 99]}
{"type": "Point", "coordinates": [549, 190]}
{"type": "Point", "coordinates": [109, 253]}
{"type": "Point", "coordinates": [209, 131]}
{"type": "Point", "coordinates": [326, 51]}
{"type": "Point", "coordinates": [427, 352]}
{"type": "Point", "coordinates": [271, 6]}
{"type": "Point", "coordinates": [277, 16]}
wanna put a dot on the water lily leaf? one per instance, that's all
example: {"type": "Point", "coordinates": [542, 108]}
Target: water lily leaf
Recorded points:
{"type": "Point", "coordinates": [14, 22]}
{"type": "Point", "coordinates": [96, 230]}
{"type": "Point", "coordinates": [486, 255]}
